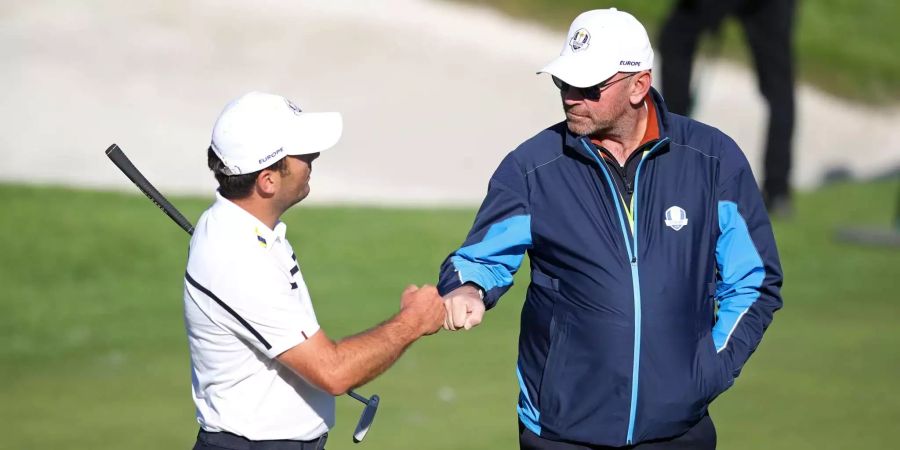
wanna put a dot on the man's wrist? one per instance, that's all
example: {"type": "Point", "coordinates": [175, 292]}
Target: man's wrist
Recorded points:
{"type": "Point", "coordinates": [408, 325]}
{"type": "Point", "coordinates": [478, 289]}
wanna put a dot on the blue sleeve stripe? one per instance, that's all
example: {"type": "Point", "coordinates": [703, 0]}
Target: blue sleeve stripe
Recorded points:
{"type": "Point", "coordinates": [528, 414]}
{"type": "Point", "coordinates": [741, 272]}
{"type": "Point", "coordinates": [493, 261]}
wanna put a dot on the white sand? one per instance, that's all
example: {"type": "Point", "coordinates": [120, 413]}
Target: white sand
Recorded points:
{"type": "Point", "coordinates": [433, 94]}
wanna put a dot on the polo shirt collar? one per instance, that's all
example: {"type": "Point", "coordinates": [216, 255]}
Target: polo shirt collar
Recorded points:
{"type": "Point", "coordinates": [241, 218]}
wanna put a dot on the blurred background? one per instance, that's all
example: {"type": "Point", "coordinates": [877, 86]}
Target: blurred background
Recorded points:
{"type": "Point", "coordinates": [434, 94]}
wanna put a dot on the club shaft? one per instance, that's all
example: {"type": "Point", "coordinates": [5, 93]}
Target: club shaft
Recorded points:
{"type": "Point", "coordinates": [358, 397]}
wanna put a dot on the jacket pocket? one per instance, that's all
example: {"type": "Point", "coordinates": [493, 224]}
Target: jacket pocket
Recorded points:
{"type": "Point", "coordinates": [714, 377]}
{"type": "Point", "coordinates": [554, 366]}
{"type": "Point", "coordinates": [544, 281]}
{"type": "Point", "coordinates": [557, 332]}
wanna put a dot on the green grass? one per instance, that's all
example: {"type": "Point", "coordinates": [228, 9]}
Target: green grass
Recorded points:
{"type": "Point", "coordinates": [842, 46]}
{"type": "Point", "coordinates": [94, 354]}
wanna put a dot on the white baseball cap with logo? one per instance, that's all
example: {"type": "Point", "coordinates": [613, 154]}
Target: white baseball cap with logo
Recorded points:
{"type": "Point", "coordinates": [601, 43]}
{"type": "Point", "coordinates": [257, 129]}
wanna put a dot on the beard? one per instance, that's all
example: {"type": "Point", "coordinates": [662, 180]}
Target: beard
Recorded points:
{"type": "Point", "coordinates": [582, 124]}
{"type": "Point", "coordinates": [584, 121]}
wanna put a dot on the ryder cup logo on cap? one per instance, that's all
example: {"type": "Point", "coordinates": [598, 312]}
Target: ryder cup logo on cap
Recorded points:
{"type": "Point", "coordinates": [580, 40]}
{"type": "Point", "coordinates": [599, 44]}
{"type": "Point", "coordinates": [257, 130]}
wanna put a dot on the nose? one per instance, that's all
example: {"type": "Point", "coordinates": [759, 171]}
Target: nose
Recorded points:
{"type": "Point", "coordinates": [572, 96]}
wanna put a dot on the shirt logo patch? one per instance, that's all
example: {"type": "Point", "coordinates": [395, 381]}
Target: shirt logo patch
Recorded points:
{"type": "Point", "coordinates": [261, 239]}
{"type": "Point", "coordinates": [676, 218]}
{"type": "Point", "coordinates": [581, 40]}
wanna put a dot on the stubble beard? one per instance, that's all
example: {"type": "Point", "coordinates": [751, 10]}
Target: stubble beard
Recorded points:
{"type": "Point", "coordinates": [581, 127]}
{"type": "Point", "coordinates": [587, 123]}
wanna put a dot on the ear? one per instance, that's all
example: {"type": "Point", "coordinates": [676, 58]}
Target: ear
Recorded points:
{"type": "Point", "coordinates": [640, 87]}
{"type": "Point", "coordinates": [267, 182]}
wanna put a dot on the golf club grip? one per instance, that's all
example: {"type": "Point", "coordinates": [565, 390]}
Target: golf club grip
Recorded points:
{"type": "Point", "coordinates": [117, 156]}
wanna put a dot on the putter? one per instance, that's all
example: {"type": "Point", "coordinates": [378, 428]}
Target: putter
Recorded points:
{"type": "Point", "coordinates": [367, 417]}
{"type": "Point", "coordinates": [117, 156]}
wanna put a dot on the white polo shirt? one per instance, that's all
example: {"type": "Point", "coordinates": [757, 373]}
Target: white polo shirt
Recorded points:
{"type": "Point", "coordinates": [245, 303]}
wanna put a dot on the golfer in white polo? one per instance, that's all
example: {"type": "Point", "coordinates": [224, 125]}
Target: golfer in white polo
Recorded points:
{"type": "Point", "coordinates": [263, 372]}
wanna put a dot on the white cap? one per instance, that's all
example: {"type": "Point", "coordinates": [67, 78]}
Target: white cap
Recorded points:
{"type": "Point", "coordinates": [256, 130]}
{"type": "Point", "coordinates": [601, 43]}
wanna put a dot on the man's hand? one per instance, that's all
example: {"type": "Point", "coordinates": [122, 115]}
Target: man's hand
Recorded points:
{"type": "Point", "coordinates": [336, 367]}
{"type": "Point", "coordinates": [422, 308]}
{"type": "Point", "coordinates": [465, 308]}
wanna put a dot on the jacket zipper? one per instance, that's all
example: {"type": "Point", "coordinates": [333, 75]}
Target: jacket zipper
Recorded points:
{"type": "Point", "coordinates": [631, 247]}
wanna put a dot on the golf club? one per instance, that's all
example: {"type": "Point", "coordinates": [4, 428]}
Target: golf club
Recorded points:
{"type": "Point", "coordinates": [367, 417]}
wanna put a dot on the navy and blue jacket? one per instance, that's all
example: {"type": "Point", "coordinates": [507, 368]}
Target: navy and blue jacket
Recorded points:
{"type": "Point", "coordinates": [637, 317]}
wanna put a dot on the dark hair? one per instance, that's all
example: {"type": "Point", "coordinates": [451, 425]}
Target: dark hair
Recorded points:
{"type": "Point", "coordinates": [237, 186]}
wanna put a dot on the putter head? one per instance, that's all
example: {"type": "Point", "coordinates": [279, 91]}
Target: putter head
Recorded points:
{"type": "Point", "coordinates": [365, 420]}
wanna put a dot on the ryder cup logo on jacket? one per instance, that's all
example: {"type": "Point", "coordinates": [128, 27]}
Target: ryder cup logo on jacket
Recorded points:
{"type": "Point", "coordinates": [580, 40]}
{"type": "Point", "coordinates": [676, 218]}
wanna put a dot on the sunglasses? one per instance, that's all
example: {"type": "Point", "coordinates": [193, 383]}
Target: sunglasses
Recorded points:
{"type": "Point", "coordinates": [589, 93]}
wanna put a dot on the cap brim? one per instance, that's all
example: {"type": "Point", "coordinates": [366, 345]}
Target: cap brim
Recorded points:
{"type": "Point", "coordinates": [572, 69]}
{"type": "Point", "coordinates": [313, 132]}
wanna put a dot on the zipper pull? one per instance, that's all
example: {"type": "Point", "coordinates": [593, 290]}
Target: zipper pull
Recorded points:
{"type": "Point", "coordinates": [634, 260]}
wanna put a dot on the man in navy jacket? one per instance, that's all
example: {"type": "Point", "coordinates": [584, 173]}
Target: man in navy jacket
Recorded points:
{"type": "Point", "coordinates": [654, 272]}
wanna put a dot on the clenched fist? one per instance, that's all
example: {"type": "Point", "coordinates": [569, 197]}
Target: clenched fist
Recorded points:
{"type": "Point", "coordinates": [423, 308]}
{"type": "Point", "coordinates": [465, 308]}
